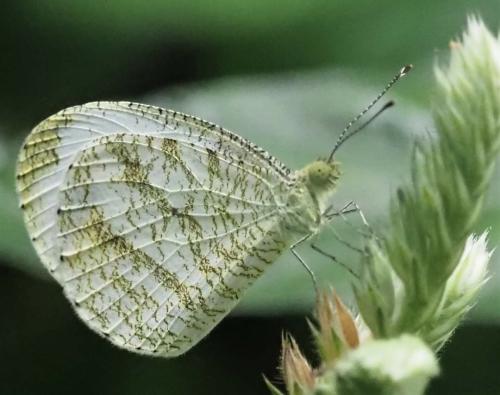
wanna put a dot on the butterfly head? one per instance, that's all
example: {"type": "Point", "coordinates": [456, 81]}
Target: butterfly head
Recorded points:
{"type": "Point", "coordinates": [321, 175]}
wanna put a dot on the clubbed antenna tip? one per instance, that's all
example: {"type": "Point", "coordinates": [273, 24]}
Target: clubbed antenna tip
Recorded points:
{"type": "Point", "coordinates": [344, 135]}
{"type": "Point", "coordinates": [405, 70]}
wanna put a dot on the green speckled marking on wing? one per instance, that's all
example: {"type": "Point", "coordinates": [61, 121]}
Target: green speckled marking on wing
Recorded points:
{"type": "Point", "coordinates": [50, 149]}
{"type": "Point", "coordinates": [52, 145]}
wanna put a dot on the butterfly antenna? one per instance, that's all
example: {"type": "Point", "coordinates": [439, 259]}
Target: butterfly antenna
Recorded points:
{"type": "Point", "coordinates": [344, 136]}
{"type": "Point", "coordinates": [387, 105]}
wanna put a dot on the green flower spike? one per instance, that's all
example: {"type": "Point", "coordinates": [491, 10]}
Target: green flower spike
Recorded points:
{"type": "Point", "coordinates": [409, 278]}
{"type": "Point", "coordinates": [420, 277]}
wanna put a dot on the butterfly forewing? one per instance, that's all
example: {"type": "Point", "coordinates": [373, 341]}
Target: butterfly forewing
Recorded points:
{"type": "Point", "coordinates": [162, 219]}
{"type": "Point", "coordinates": [51, 147]}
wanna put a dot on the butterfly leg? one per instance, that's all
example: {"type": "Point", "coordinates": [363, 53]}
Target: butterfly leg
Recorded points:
{"type": "Point", "coordinates": [333, 258]}
{"type": "Point", "coordinates": [348, 208]}
{"type": "Point", "coordinates": [345, 242]}
{"type": "Point", "coordinates": [330, 213]}
{"type": "Point", "coordinates": [351, 207]}
{"type": "Point", "coordinates": [308, 269]}
{"type": "Point", "coordinates": [363, 218]}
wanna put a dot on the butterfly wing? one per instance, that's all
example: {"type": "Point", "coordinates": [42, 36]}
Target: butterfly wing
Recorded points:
{"type": "Point", "coordinates": [49, 150]}
{"type": "Point", "coordinates": [158, 233]}
{"type": "Point", "coordinates": [52, 145]}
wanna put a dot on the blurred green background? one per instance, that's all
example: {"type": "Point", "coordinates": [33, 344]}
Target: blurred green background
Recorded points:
{"type": "Point", "coordinates": [288, 75]}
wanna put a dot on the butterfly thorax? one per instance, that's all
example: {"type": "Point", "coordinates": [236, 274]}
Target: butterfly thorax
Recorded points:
{"type": "Point", "coordinates": [311, 195]}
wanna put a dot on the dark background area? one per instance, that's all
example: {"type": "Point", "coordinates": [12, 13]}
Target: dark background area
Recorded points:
{"type": "Point", "coordinates": [284, 74]}
{"type": "Point", "coordinates": [46, 349]}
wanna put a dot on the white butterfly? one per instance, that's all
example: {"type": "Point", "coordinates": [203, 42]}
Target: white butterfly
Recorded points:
{"type": "Point", "coordinates": [154, 222]}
